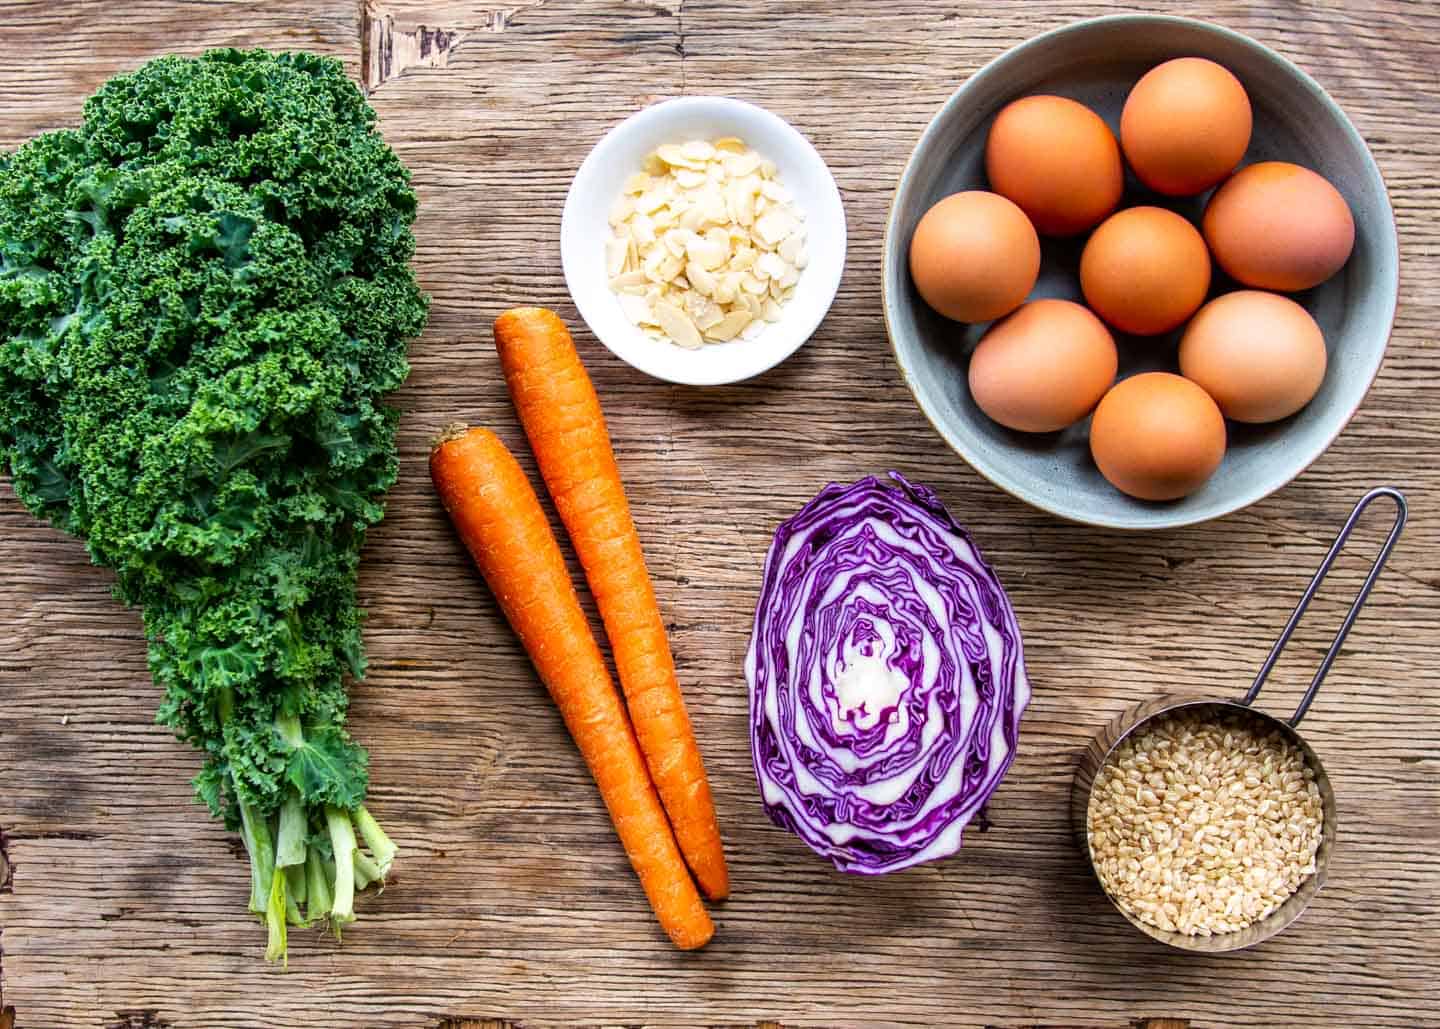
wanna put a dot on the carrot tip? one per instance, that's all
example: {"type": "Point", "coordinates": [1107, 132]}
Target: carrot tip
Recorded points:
{"type": "Point", "coordinates": [453, 431]}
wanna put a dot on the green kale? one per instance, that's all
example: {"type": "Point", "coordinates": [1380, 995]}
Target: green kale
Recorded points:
{"type": "Point", "coordinates": [205, 293]}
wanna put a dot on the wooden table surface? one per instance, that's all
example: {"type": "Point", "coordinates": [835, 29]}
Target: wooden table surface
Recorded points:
{"type": "Point", "coordinates": [122, 904]}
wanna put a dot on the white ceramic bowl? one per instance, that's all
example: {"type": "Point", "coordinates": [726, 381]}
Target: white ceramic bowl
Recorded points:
{"type": "Point", "coordinates": [584, 229]}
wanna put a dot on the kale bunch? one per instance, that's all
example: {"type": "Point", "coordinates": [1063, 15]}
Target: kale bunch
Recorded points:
{"type": "Point", "coordinates": [205, 292]}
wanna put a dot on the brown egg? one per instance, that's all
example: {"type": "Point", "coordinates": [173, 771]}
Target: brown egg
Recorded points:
{"type": "Point", "coordinates": [1276, 225]}
{"type": "Point", "coordinates": [1145, 270]}
{"type": "Point", "coordinates": [1044, 367]}
{"type": "Point", "coordinates": [1056, 159]}
{"type": "Point", "coordinates": [1157, 436]}
{"type": "Point", "coordinates": [1259, 355]}
{"type": "Point", "coordinates": [1185, 126]}
{"type": "Point", "coordinates": [974, 256]}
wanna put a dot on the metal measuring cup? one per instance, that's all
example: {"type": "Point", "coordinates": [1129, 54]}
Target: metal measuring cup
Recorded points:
{"type": "Point", "coordinates": [1103, 745]}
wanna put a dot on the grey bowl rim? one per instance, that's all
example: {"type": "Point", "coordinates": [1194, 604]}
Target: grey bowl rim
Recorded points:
{"type": "Point", "coordinates": [1389, 226]}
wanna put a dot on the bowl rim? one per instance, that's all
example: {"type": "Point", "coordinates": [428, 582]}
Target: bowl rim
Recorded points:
{"type": "Point", "coordinates": [790, 333]}
{"type": "Point", "coordinates": [1390, 232]}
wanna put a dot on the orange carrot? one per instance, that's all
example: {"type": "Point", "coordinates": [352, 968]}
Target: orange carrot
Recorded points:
{"type": "Point", "coordinates": [500, 521]}
{"type": "Point", "coordinates": [561, 414]}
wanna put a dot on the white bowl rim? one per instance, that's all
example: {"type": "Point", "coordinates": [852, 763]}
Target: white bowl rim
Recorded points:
{"type": "Point", "coordinates": [986, 468]}
{"type": "Point", "coordinates": [784, 337]}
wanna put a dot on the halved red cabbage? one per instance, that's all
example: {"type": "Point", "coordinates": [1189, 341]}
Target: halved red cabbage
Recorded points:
{"type": "Point", "coordinates": [886, 677]}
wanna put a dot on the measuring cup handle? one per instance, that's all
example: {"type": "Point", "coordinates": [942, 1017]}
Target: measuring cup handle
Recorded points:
{"type": "Point", "coordinates": [1309, 595]}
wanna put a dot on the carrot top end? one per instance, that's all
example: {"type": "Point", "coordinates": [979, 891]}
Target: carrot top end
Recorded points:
{"type": "Point", "coordinates": [453, 431]}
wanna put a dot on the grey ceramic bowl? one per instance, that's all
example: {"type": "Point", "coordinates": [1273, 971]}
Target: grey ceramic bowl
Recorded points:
{"type": "Point", "coordinates": [1096, 62]}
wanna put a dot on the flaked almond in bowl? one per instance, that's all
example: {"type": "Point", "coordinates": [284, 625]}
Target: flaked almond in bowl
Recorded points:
{"type": "Point", "coordinates": [703, 240]}
{"type": "Point", "coordinates": [706, 244]}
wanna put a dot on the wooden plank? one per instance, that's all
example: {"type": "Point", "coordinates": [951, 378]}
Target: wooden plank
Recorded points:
{"type": "Point", "coordinates": [513, 902]}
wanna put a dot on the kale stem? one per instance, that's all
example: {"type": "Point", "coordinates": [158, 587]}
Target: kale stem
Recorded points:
{"type": "Point", "coordinates": [375, 839]}
{"type": "Point", "coordinates": [254, 827]}
{"type": "Point", "coordinates": [288, 726]}
{"type": "Point", "coordinates": [342, 842]}
{"type": "Point", "coordinates": [275, 912]}
{"type": "Point", "coordinates": [290, 845]}
{"type": "Point", "coordinates": [317, 887]}
{"type": "Point", "coordinates": [295, 890]}
{"type": "Point", "coordinates": [363, 867]}
{"type": "Point", "coordinates": [366, 870]}
{"type": "Point", "coordinates": [255, 832]}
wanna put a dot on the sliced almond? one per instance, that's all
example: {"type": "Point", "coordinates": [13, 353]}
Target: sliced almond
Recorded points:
{"type": "Point", "coordinates": [621, 210]}
{"type": "Point", "coordinates": [677, 326]}
{"type": "Point", "coordinates": [774, 191]}
{"type": "Point", "coordinates": [615, 250]}
{"type": "Point", "coordinates": [728, 327]}
{"type": "Point", "coordinates": [702, 279]}
{"type": "Point", "coordinates": [636, 184]}
{"type": "Point", "coordinates": [769, 266]}
{"type": "Point", "coordinates": [651, 264]}
{"type": "Point", "coordinates": [742, 164]}
{"type": "Point", "coordinates": [670, 268]}
{"type": "Point", "coordinates": [702, 311]}
{"type": "Point", "coordinates": [715, 211]}
{"type": "Point", "coordinates": [649, 201]}
{"type": "Point", "coordinates": [731, 144]}
{"type": "Point", "coordinates": [740, 202]}
{"type": "Point", "coordinates": [712, 316]}
{"type": "Point", "coordinates": [642, 229]}
{"type": "Point", "coordinates": [726, 288]}
{"type": "Point", "coordinates": [705, 252]}
{"type": "Point", "coordinates": [698, 150]}
{"type": "Point", "coordinates": [628, 280]}
{"type": "Point", "coordinates": [773, 226]}
{"type": "Point", "coordinates": [636, 309]}
{"type": "Point", "coordinates": [688, 179]}
{"type": "Point", "coordinates": [675, 240]}
{"type": "Point", "coordinates": [692, 217]}
{"type": "Point", "coordinates": [770, 311]}
{"type": "Point", "coordinates": [674, 155]}
{"type": "Point", "coordinates": [750, 284]}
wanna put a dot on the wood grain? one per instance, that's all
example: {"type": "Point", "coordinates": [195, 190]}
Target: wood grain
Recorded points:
{"type": "Point", "coordinates": [513, 901]}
